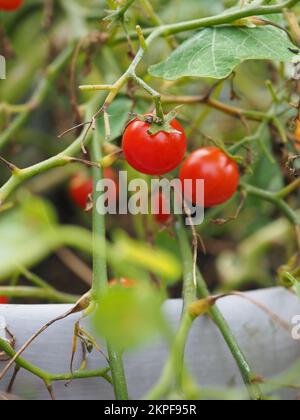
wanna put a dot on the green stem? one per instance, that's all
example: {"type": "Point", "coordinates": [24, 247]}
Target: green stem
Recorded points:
{"type": "Point", "coordinates": [275, 199]}
{"type": "Point", "coordinates": [203, 291]}
{"type": "Point", "coordinates": [62, 159]}
{"type": "Point", "coordinates": [245, 369]}
{"type": "Point", "coordinates": [100, 273]}
{"type": "Point", "coordinates": [154, 94]}
{"type": "Point", "coordinates": [125, 7]}
{"type": "Point", "coordinates": [189, 288]}
{"type": "Point", "coordinates": [47, 377]}
{"type": "Point", "coordinates": [34, 279]}
{"type": "Point", "coordinates": [50, 295]}
{"type": "Point", "coordinates": [175, 367]}
{"type": "Point", "coordinates": [289, 189]}
{"type": "Point", "coordinates": [39, 95]}
{"type": "Point", "coordinates": [221, 19]}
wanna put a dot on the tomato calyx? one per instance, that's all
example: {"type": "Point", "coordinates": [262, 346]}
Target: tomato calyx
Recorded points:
{"type": "Point", "coordinates": [157, 125]}
{"type": "Point", "coordinates": [239, 160]}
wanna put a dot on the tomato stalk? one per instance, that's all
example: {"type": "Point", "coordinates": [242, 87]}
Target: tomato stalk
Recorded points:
{"type": "Point", "coordinates": [49, 378]}
{"type": "Point", "coordinates": [100, 278]}
{"type": "Point", "coordinates": [175, 373]}
{"type": "Point", "coordinates": [247, 374]}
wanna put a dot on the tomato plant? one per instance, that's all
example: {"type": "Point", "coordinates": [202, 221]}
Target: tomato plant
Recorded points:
{"type": "Point", "coordinates": [219, 172]}
{"type": "Point", "coordinates": [163, 92]}
{"type": "Point", "coordinates": [154, 154]}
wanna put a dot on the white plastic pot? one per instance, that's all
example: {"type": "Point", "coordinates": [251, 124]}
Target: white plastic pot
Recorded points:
{"type": "Point", "coordinates": [269, 348]}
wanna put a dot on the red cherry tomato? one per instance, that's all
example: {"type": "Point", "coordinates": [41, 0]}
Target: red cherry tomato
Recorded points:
{"type": "Point", "coordinates": [3, 300]}
{"type": "Point", "coordinates": [81, 187]}
{"type": "Point", "coordinates": [162, 217]}
{"type": "Point", "coordinates": [127, 283]}
{"type": "Point", "coordinates": [10, 4]}
{"type": "Point", "coordinates": [155, 154]}
{"type": "Point", "coordinates": [219, 172]}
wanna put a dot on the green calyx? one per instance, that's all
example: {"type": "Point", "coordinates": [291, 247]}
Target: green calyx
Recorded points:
{"type": "Point", "coordinates": [158, 124]}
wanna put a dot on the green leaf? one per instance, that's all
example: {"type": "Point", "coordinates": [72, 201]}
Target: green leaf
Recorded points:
{"type": "Point", "coordinates": [24, 235]}
{"type": "Point", "coordinates": [156, 260]}
{"type": "Point", "coordinates": [128, 318]}
{"type": "Point", "coordinates": [215, 52]}
{"type": "Point", "coordinates": [30, 233]}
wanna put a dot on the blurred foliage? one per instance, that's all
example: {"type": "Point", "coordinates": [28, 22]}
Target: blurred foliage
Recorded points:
{"type": "Point", "coordinates": [33, 43]}
{"type": "Point", "coordinates": [129, 317]}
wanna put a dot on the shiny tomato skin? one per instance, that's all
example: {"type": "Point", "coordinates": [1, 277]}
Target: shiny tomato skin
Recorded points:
{"type": "Point", "coordinates": [3, 300]}
{"type": "Point", "coordinates": [219, 172]}
{"type": "Point", "coordinates": [81, 187]}
{"type": "Point", "coordinates": [156, 154]}
{"type": "Point", "coordinates": [10, 5]}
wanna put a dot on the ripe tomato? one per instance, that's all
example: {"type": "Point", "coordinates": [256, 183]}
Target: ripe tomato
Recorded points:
{"type": "Point", "coordinates": [162, 217]}
{"type": "Point", "coordinates": [10, 4]}
{"type": "Point", "coordinates": [127, 283]}
{"type": "Point", "coordinates": [219, 172]}
{"type": "Point", "coordinates": [155, 154]}
{"type": "Point", "coordinates": [3, 300]}
{"type": "Point", "coordinates": [81, 187]}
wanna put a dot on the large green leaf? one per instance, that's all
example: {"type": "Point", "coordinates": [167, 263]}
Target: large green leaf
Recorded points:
{"type": "Point", "coordinates": [215, 52]}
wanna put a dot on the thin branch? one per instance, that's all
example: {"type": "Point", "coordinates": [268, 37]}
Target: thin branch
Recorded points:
{"type": "Point", "coordinates": [38, 96]}
{"type": "Point", "coordinates": [80, 306]}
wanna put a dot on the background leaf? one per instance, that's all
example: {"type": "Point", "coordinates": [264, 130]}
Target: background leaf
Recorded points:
{"type": "Point", "coordinates": [157, 260]}
{"type": "Point", "coordinates": [129, 317]}
{"type": "Point", "coordinates": [119, 113]}
{"type": "Point", "coordinates": [30, 233]}
{"type": "Point", "coordinates": [215, 52]}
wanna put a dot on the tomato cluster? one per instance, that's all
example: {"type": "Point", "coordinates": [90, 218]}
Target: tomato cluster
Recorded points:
{"type": "Point", "coordinates": [10, 5]}
{"type": "Point", "coordinates": [160, 153]}
{"type": "Point", "coordinates": [163, 151]}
